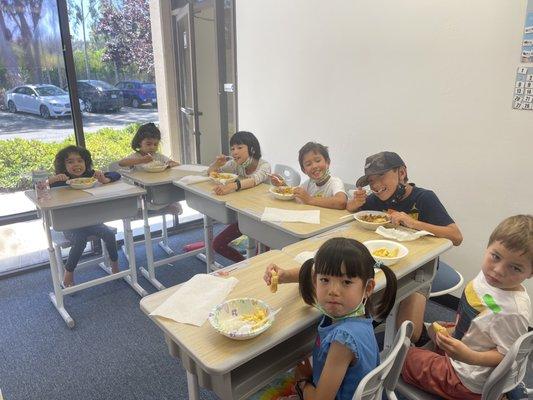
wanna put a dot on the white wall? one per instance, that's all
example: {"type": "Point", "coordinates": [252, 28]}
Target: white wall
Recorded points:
{"type": "Point", "coordinates": [432, 80]}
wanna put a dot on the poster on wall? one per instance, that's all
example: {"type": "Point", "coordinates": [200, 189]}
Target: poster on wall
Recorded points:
{"type": "Point", "coordinates": [523, 88]}
{"type": "Point", "coordinates": [527, 42]}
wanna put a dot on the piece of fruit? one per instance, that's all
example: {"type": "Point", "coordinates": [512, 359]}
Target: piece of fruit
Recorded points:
{"type": "Point", "coordinates": [439, 329]}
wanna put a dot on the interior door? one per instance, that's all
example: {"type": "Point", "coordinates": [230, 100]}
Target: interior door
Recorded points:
{"type": "Point", "coordinates": [187, 90]}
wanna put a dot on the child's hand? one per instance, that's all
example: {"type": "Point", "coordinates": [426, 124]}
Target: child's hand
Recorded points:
{"type": "Point", "coordinates": [454, 348]}
{"type": "Point", "coordinates": [101, 177]}
{"type": "Point", "coordinates": [146, 159]}
{"type": "Point", "coordinates": [303, 370]}
{"type": "Point", "coordinates": [277, 180]}
{"type": "Point", "coordinates": [302, 195]}
{"type": "Point", "coordinates": [172, 163]}
{"type": "Point", "coordinates": [268, 274]}
{"type": "Point", "coordinates": [401, 218]}
{"type": "Point", "coordinates": [58, 178]}
{"type": "Point", "coordinates": [221, 190]}
{"type": "Point", "coordinates": [359, 197]}
{"type": "Point", "coordinates": [220, 161]}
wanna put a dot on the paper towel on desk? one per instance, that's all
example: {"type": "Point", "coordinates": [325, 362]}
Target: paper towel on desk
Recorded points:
{"type": "Point", "coordinates": [401, 235]}
{"type": "Point", "coordinates": [109, 188]}
{"type": "Point", "coordinates": [280, 215]}
{"type": "Point", "coordinates": [193, 301]}
{"type": "Point", "coordinates": [191, 167]}
{"type": "Point", "coordinates": [189, 179]}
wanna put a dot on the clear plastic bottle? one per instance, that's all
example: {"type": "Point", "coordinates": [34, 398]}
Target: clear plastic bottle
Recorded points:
{"type": "Point", "coordinates": [40, 183]}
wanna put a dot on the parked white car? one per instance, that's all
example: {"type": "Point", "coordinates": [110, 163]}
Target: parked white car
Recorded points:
{"type": "Point", "coordinates": [45, 100]}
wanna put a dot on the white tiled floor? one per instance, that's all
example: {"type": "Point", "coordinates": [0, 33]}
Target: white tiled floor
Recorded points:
{"type": "Point", "coordinates": [24, 244]}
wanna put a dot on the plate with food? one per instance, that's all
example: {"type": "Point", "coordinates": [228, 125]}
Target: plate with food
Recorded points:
{"type": "Point", "coordinates": [154, 166]}
{"type": "Point", "coordinates": [372, 219]}
{"type": "Point", "coordinates": [223, 177]}
{"type": "Point", "coordinates": [282, 192]}
{"type": "Point", "coordinates": [242, 318]}
{"type": "Point", "coordinates": [386, 251]}
{"type": "Point", "coordinates": [82, 183]}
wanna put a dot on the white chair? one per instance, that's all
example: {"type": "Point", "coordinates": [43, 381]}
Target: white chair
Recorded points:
{"type": "Point", "coordinates": [447, 280]}
{"type": "Point", "coordinates": [163, 241]}
{"type": "Point", "coordinates": [61, 242]}
{"type": "Point", "coordinates": [385, 376]}
{"type": "Point", "coordinates": [292, 177]}
{"type": "Point", "coordinates": [505, 377]}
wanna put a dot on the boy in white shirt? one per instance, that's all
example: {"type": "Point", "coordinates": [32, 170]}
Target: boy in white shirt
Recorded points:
{"type": "Point", "coordinates": [493, 313]}
{"type": "Point", "coordinates": [321, 189]}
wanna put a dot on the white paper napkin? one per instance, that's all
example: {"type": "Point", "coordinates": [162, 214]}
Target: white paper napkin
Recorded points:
{"type": "Point", "coordinates": [190, 179]}
{"type": "Point", "coordinates": [191, 167]}
{"type": "Point", "coordinates": [109, 188]}
{"type": "Point", "coordinates": [193, 301]}
{"type": "Point", "coordinates": [401, 235]}
{"type": "Point", "coordinates": [280, 215]}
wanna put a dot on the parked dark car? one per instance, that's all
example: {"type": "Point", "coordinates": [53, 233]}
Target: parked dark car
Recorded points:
{"type": "Point", "coordinates": [137, 93]}
{"type": "Point", "coordinates": [99, 96]}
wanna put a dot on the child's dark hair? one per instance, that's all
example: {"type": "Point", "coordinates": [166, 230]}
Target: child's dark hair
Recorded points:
{"type": "Point", "coordinates": [62, 155]}
{"type": "Point", "coordinates": [249, 139]}
{"type": "Point", "coordinates": [146, 131]}
{"type": "Point", "coordinates": [315, 148]}
{"type": "Point", "coordinates": [358, 263]}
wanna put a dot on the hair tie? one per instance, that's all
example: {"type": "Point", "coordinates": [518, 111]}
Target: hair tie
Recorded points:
{"type": "Point", "coordinates": [378, 264]}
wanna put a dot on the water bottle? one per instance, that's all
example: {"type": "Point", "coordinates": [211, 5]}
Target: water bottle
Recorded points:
{"type": "Point", "coordinates": [40, 183]}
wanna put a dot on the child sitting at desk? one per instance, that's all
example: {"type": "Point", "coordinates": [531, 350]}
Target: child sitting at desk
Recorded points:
{"type": "Point", "coordinates": [246, 162]}
{"type": "Point", "coordinates": [321, 189]}
{"type": "Point", "coordinates": [494, 311]}
{"type": "Point", "coordinates": [76, 162]}
{"type": "Point", "coordinates": [145, 144]}
{"type": "Point", "coordinates": [410, 206]}
{"type": "Point", "coordinates": [339, 281]}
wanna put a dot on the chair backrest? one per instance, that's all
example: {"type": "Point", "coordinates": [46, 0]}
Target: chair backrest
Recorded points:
{"type": "Point", "coordinates": [291, 176]}
{"type": "Point", "coordinates": [372, 385]}
{"type": "Point", "coordinates": [511, 370]}
{"type": "Point", "coordinates": [113, 167]}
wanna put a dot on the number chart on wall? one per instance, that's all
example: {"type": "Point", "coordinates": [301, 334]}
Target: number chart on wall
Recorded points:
{"type": "Point", "coordinates": [523, 90]}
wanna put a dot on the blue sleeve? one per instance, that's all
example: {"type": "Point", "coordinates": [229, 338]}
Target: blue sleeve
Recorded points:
{"type": "Point", "coordinates": [371, 204]}
{"type": "Point", "coordinates": [432, 211]}
{"type": "Point", "coordinates": [58, 184]}
{"type": "Point", "coordinates": [114, 176]}
{"type": "Point", "coordinates": [346, 339]}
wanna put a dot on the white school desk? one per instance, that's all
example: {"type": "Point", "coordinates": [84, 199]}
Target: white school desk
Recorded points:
{"type": "Point", "coordinates": [235, 369]}
{"type": "Point", "coordinates": [250, 205]}
{"type": "Point", "coordinates": [412, 272]}
{"type": "Point", "coordinates": [159, 191]}
{"type": "Point", "coordinates": [69, 209]}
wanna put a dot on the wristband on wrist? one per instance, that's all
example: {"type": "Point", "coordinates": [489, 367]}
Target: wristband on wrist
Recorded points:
{"type": "Point", "coordinates": [300, 385]}
{"type": "Point", "coordinates": [238, 183]}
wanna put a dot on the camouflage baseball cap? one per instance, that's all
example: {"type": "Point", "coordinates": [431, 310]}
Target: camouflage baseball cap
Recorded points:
{"type": "Point", "coordinates": [378, 164]}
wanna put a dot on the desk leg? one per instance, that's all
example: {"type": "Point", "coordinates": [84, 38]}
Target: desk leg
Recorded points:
{"type": "Point", "coordinates": [192, 386]}
{"type": "Point", "coordinates": [251, 249]}
{"type": "Point", "coordinates": [150, 273]}
{"type": "Point", "coordinates": [208, 240]}
{"type": "Point", "coordinates": [57, 296]}
{"type": "Point", "coordinates": [130, 249]}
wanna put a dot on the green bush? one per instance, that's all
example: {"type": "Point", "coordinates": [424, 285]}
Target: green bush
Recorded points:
{"type": "Point", "coordinates": [18, 157]}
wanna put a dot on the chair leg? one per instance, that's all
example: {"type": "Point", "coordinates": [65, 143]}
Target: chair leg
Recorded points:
{"type": "Point", "coordinates": [105, 264]}
{"type": "Point", "coordinates": [164, 237]}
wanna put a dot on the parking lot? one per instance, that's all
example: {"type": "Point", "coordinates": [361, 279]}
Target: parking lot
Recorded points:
{"type": "Point", "coordinates": [30, 126]}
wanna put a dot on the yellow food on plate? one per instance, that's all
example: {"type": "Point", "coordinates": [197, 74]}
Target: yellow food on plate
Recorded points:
{"type": "Point", "coordinates": [274, 281]}
{"type": "Point", "coordinates": [377, 219]}
{"type": "Point", "coordinates": [220, 175]}
{"type": "Point", "coordinates": [284, 190]}
{"type": "Point", "coordinates": [258, 318]}
{"type": "Point", "coordinates": [438, 328]}
{"type": "Point", "coordinates": [386, 253]}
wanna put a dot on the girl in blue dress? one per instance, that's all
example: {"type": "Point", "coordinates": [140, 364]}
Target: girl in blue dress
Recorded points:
{"type": "Point", "coordinates": [339, 281]}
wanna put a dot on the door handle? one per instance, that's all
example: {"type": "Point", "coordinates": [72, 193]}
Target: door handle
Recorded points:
{"type": "Point", "coordinates": [189, 111]}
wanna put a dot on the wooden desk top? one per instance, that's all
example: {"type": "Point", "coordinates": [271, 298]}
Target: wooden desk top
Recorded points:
{"type": "Point", "coordinates": [144, 178]}
{"type": "Point", "coordinates": [420, 251]}
{"type": "Point", "coordinates": [64, 197]}
{"type": "Point", "coordinates": [205, 189]}
{"type": "Point", "coordinates": [219, 354]}
{"type": "Point", "coordinates": [253, 202]}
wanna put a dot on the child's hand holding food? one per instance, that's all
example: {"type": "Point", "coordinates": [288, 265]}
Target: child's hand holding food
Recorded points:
{"type": "Point", "coordinates": [58, 178]}
{"type": "Point", "coordinates": [277, 180]}
{"type": "Point", "coordinates": [99, 175]}
{"type": "Point", "coordinates": [172, 163]}
{"type": "Point", "coordinates": [146, 159]}
{"type": "Point", "coordinates": [359, 197]}
{"type": "Point", "coordinates": [273, 271]}
{"type": "Point", "coordinates": [454, 348]}
{"type": "Point", "coordinates": [220, 161]}
{"type": "Point", "coordinates": [401, 218]}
